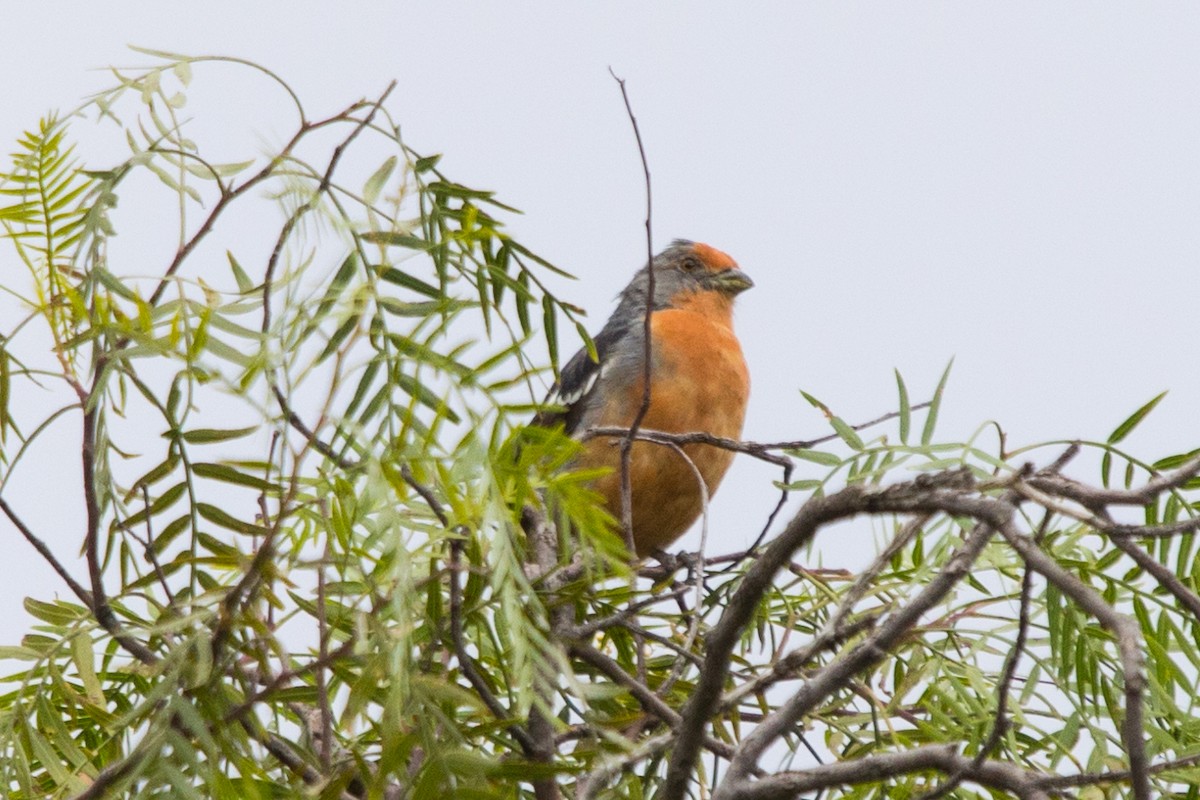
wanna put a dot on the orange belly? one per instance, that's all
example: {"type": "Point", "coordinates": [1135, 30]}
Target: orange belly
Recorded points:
{"type": "Point", "coordinates": [699, 384]}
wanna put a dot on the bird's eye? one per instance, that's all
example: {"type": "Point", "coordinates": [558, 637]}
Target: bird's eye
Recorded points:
{"type": "Point", "coordinates": [690, 265]}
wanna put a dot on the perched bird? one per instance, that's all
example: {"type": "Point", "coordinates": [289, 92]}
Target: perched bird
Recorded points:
{"type": "Point", "coordinates": [698, 383]}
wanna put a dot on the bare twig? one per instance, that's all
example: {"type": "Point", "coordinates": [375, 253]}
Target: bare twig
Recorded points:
{"type": "Point", "coordinates": [627, 442]}
{"type": "Point", "coordinates": [77, 588]}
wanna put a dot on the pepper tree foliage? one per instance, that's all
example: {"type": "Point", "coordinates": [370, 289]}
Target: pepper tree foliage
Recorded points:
{"type": "Point", "coordinates": [323, 556]}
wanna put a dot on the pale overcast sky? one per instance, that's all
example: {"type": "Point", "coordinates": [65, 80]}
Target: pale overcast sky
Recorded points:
{"type": "Point", "coordinates": [1016, 185]}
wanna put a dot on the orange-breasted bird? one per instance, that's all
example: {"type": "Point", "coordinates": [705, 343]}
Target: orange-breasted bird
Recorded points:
{"type": "Point", "coordinates": [698, 383]}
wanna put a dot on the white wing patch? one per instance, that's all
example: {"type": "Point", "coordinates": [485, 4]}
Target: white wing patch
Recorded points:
{"type": "Point", "coordinates": [580, 391]}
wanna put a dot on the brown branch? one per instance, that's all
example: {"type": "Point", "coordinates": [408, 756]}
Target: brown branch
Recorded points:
{"type": "Point", "coordinates": [230, 195]}
{"type": "Point", "coordinates": [650, 701]}
{"type": "Point", "coordinates": [1160, 572]}
{"type": "Point", "coordinates": [1059, 782]}
{"type": "Point", "coordinates": [76, 587]}
{"type": "Point", "coordinates": [543, 557]}
{"type": "Point", "coordinates": [1095, 499]}
{"type": "Point", "coordinates": [101, 610]}
{"type": "Point", "coordinates": [990, 514]}
{"type": "Point", "coordinates": [1000, 775]}
{"type": "Point", "coordinates": [835, 629]}
{"type": "Point", "coordinates": [927, 494]}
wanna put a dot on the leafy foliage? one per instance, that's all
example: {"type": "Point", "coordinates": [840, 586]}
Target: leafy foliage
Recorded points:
{"type": "Point", "coordinates": [315, 528]}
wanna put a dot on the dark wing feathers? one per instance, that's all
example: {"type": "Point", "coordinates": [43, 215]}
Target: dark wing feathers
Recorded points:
{"type": "Point", "coordinates": [577, 381]}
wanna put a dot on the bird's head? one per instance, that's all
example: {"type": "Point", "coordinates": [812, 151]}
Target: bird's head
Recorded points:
{"type": "Point", "coordinates": [688, 271]}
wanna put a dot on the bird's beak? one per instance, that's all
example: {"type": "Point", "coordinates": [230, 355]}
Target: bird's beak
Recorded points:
{"type": "Point", "coordinates": [731, 281]}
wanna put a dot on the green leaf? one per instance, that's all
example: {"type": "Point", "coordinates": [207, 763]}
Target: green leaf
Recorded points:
{"type": "Point", "coordinates": [339, 336]}
{"type": "Point", "coordinates": [244, 283]}
{"type": "Point", "coordinates": [802, 485]}
{"type": "Point", "coordinates": [375, 183]}
{"type": "Point", "coordinates": [1126, 427]}
{"type": "Point", "coordinates": [211, 435]}
{"type": "Point", "coordinates": [397, 239]}
{"type": "Point", "coordinates": [817, 456]}
{"type": "Point", "coordinates": [846, 433]}
{"type": "Point", "coordinates": [425, 396]}
{"type": "Point", "coordinates": [225, 520]}
{"type": "Point", "coordinates": [426, 163]}
{"type": "Point", "coordinates": [550, 323]}
{"type": "Point", "coordinates": [393, 275]}
{"type": "Point", "coordinates": [81, 654]}
{"type": "Point", "coordinates": [59, 613]}
{"type": "Point", "coordinates": [935, 406]}
{"type": "Point", "coordinates": [171, 532]}
{"type": "Point", "coordinates": [905, 408]}
{"type": "Point", "coordinates": [227, 474]}
{"type": "Point", "coordinates": [5, 391]}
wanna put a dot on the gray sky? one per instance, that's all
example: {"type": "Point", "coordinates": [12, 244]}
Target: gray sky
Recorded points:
{"type": "Point", "coordinates": [1015, 185]}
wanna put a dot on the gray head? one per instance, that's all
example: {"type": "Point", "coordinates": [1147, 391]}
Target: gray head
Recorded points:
{"type": "Point", "coordinates": [684, 272]}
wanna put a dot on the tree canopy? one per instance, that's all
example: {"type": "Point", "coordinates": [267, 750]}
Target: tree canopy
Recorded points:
{"type": "Point", "coordinates": [324, 555]}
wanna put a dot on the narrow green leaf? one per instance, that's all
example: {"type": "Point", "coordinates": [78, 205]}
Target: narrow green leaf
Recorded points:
{"type": "Point", "coordinates": [164, 501]}
{"type": "Point", "coordinates": [846, 433]}
{"type": "Point", "coordinates": [935, 406]}
{"type": "Point", "coordinates": [593, 354]}
{"type": "Point", "coordinates": [85, 665]}
{"type": "Point", "coordinates": [244, 283]}
{"type": "Point", "coordinates": [425, 396]}
{"type": "Point", "coordinates": [550, 323]}
{"type": "Point", "coordinates": [1126, 427]}
{"type": "Point", "coordinates": [210, 435]}
{"type": "Point", "coordinates": [58, 613]}
{"type": "Point", "coordinates": [227, 474]}
{"type": "Point", "coordinates": [426, 163]}
{"type": "Point", "coordinates": [817, 457]}
{"type": "Point", "coordinates": [335, 341]}
{"type": "Point", "coordinates": [171, 532]}
{"type": "Point", "coordinates": [400, 278]}
{"type": "Point", "coordinates": [397, 239]}
{"type": "Point", "coordinates": [225, 520]}
{"type": "Point", "coordinates": [815, 403]}
{"type": "Point", "coordinates": [5, 391]}
{"type": "Point", "coordinates": [375, 183]}
{"type": "Point", "coordinates": [905, 408]}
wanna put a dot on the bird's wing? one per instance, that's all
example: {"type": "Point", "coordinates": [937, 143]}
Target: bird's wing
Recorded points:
{"type": "Point", "coordinates": [577, 383]}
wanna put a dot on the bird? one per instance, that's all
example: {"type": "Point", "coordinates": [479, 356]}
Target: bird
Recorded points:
{"type": "Point", "coordinates": [699, 382]}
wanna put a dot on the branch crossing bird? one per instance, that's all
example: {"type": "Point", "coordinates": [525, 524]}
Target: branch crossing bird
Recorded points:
{"type": "Point", "coordinates": [698, 383]}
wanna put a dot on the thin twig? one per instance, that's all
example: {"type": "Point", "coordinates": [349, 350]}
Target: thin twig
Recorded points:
{"type": "Point", "coordinates": [647, 343]}
{"type": "Point", "coordinates": [77, 588]}
{"type": "Point", "coordinates": [466, 663]}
